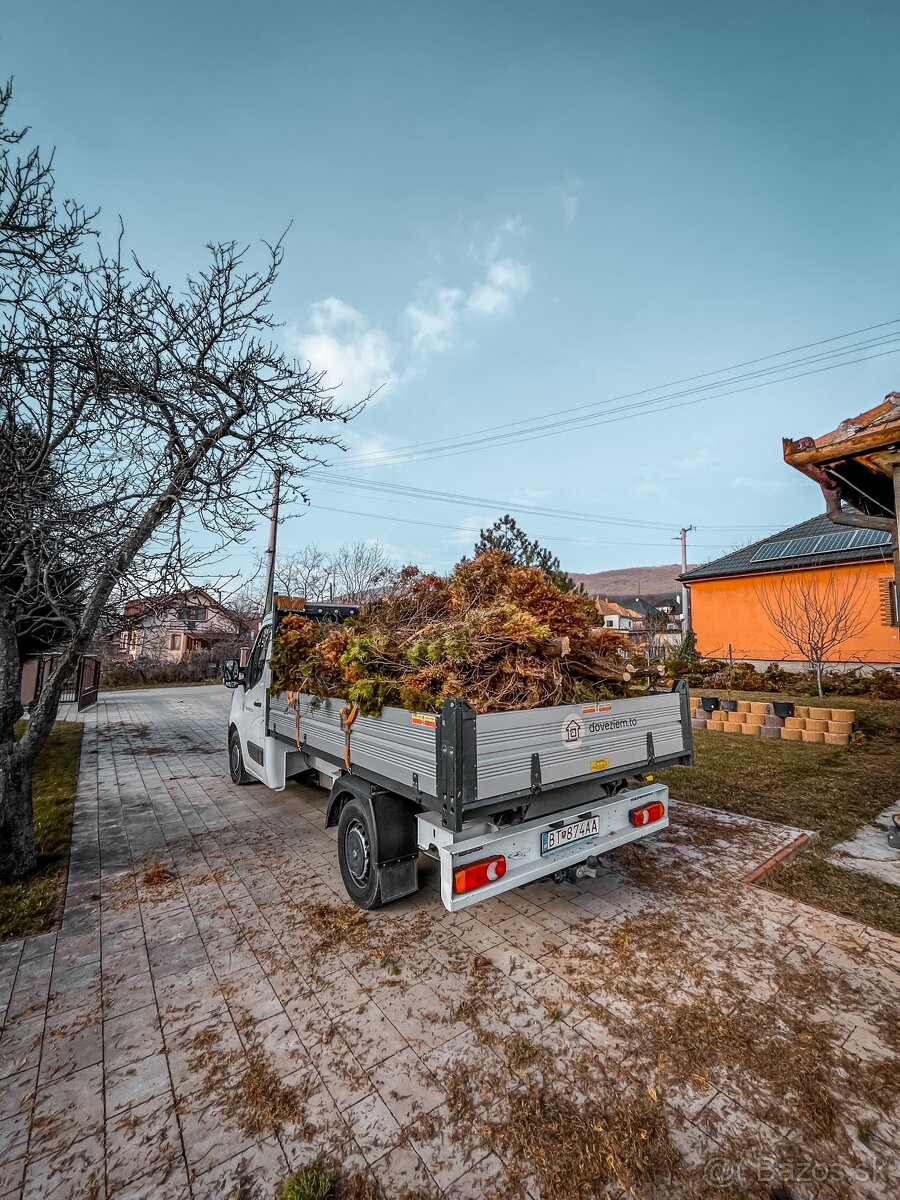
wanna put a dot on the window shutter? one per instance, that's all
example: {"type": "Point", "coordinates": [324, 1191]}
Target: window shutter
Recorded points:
{"type": "Point", "coordinates": [887, 595]}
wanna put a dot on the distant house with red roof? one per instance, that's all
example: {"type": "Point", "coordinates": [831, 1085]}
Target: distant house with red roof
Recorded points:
{"type": "Point", "coordinates": [172, 627]}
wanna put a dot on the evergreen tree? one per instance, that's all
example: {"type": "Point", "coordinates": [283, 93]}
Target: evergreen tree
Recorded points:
{"type": "Point", "coordinates": [506, 535]}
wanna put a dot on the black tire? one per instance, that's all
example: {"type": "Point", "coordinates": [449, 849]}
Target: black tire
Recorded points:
{"type": "Point", "coordinates": [236, 761]}
{"type": "Point", "coordinates": [356, 855]}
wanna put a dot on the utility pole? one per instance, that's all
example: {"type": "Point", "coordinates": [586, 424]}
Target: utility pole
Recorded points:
{"type": "Point", "coordinates": [685, 590]}
{"type": "Point", "coordinates": [269, 604]}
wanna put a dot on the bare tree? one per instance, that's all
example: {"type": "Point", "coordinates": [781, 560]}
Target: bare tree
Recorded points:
{"type": "Point", "coordinates": [654, 627]}
{"type": "Point", "coordinates": [355, 572]}
{"type": "Point", "coordinates": [37, 235]}
{"type": "Point", "coordinates": [308, 572]}
{"type": "Point", "coordinates": [132, 417]}
{"type": "Point", "coordinates": [815, 616]}
{"type": "Point", "coordinates": [362, 570]}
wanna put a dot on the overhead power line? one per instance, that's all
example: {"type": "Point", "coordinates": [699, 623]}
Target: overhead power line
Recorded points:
{"type": "Point", "coordinates": [407, 491]}
{"type": "Point", "coordinates": [611, 410]}
{"type": "Point", "coordinates": [352, 512]}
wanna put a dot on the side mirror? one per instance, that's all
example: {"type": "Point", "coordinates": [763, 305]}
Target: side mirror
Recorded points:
{"type": "Point", "coordinates": [232, 673]}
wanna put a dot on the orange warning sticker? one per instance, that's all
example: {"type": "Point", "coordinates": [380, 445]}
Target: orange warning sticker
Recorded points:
{"type": "Point", "coordinates": [588, 710]}
{"type": "Point", "coordinates": [429, 720]}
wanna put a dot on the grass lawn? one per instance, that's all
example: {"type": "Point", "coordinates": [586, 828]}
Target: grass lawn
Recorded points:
{"type": "Point", "coordinates": [29, 906]}
{"type": "Point", "coordinates": [830, 789]}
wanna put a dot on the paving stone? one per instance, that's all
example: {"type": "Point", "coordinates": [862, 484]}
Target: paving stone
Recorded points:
{"type": "Point", "coordinates": [137, 1081]}
{"type": "Point", "coordinates": [21, 1045]}
{"type": "Point", "coordinates": [445, 1160]}
{"type": "Point", "coordinates": [401, 1172]}
{"type": "Point", "coordinates": [407, 1086]}
{"type": "Point", "coordinates": [71, 1041]}
{"type": "Point", "coordinates": [12, 1174]}
{"type": "Point", "coordinates": [64, 1174]}
{"type": "Point", "coordinates": [68, 1109]}
{"type": "Point", "coordinates": [373, 1126]}
{"type": "Point", "coordinates": [211, 1136]}
{"type": "Point", "coordinates": [144, 1141]}
{"type": "Point", "coordinates": [175, 957]}
{"type": "Point", "coordinates": [253, 1174]}
{"type": "Point", "coordinates": [132, 1036]}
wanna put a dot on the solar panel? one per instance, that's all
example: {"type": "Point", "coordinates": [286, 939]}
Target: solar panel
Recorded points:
{"type": "Point", "coordinates": [870, 537]}
{"type": "Point", "coordinates": [825, 543]}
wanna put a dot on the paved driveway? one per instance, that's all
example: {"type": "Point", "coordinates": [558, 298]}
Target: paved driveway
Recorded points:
{"type": "Point", "coordinates": [211, 1016]}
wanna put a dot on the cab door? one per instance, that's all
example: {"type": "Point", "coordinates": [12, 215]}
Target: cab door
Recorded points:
{"type": "Point", "coordinates": [256, 681]}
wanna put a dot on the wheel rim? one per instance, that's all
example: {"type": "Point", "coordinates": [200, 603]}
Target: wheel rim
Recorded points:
{"type": "Point", "coordinates": [356, 852]}
{"type": "Point", "coordinates": [235, 757]}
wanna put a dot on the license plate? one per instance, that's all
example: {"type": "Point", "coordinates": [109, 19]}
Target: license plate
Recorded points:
{"type": "Point", "coordinates": [576, 831]}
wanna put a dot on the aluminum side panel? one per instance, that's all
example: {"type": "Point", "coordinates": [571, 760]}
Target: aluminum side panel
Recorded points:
{"type": "Point", "coordinates": [390, 745]}
{"type": "Point", "coordinates": [571, 740]}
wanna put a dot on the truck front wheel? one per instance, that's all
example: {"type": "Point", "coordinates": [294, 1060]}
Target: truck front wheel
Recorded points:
{"type": "Point", "coordinates": [356, 855]}
{"type": "Point", "coordinates": [236, 760]}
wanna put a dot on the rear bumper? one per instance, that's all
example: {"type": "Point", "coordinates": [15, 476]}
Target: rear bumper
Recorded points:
{"type": "Point", "coordinates": [521, 844]}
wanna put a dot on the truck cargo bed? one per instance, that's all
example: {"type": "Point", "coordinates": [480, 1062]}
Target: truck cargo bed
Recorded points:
{"type": "Point", "coordinates": [457, 762]}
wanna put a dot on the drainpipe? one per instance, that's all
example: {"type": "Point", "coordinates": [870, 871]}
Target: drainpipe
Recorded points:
{"type": "Point", "coordinates": [846, 516]}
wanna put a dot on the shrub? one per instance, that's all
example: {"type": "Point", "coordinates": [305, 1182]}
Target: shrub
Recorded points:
{"type": "Point", "coordinates": [312, 1183]}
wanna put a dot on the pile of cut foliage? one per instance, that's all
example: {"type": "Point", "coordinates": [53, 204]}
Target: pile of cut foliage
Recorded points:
{"type": "Point", "coordinates": [494, 634]}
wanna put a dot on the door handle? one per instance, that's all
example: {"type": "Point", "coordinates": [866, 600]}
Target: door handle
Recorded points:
{"type": "Point", "coordinates": [257, 703]}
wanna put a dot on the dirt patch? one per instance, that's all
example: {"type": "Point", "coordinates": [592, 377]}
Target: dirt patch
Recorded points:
{"type": "Point", "coordinates": [247, 1087]}
{"type": "Point", "coordinates": [345, 929]}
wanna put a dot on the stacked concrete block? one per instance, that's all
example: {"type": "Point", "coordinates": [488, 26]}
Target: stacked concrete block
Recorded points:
{"type": "Point", "coordinates": [840, 727]}
{"type": "Point", "coordinates": [699, 715]}
{"type": "Point", "coordinates": [756, 718]}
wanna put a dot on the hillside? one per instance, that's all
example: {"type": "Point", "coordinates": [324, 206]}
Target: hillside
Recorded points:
{"type": "Point", "coordinates": [631, 581]}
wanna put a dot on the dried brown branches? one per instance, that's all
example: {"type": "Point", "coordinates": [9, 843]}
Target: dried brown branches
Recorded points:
{"type": "Point", "coordinates": [496, 635]}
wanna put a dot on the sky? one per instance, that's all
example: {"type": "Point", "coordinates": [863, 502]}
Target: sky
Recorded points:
{"type": "Point", "coordinates": [501, 212]}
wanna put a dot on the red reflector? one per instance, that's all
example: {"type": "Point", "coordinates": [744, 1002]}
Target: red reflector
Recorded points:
{"type": "Point", "coordinates": [648, 813]}
{"type": "Point", "coordinates": [477, 874]}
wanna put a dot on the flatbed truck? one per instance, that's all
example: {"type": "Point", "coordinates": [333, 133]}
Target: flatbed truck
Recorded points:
{"type": "Point", "coordinates": [500, 799]}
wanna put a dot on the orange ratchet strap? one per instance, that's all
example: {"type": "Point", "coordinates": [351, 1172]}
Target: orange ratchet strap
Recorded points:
{"type": "Point", "coordinates": [348, 716]}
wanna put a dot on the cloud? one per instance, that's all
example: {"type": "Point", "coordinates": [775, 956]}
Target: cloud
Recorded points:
{"type": "Point", "coordinates": [354, 354]}
{"type": "Point", "coordinates": [361, 357]}
{"type": "Point", "coordinates": [511, 227]}
{"type": "Point", "coordinates": [569, 194]}
{"type": "Point", "coordinates": [506, 281]}
{"type": "Point", "coordinates": [467, 533]}
{"type": "Point", "coordinates": [434, 320]}
{"type": "Point", "coordinates": [375, 449]}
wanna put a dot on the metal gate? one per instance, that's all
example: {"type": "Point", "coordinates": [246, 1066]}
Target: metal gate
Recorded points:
{"type": "Point", "coordinates": [81, 690]}
{"type": "Point", "coordinates": [87, 681]}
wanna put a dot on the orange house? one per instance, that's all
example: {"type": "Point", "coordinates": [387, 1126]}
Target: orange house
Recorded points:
{"type": "Point", "coordinates": [816, 581]}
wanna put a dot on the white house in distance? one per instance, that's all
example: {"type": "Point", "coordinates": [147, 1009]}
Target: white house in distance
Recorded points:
{"type": "Point", "coordinates": [616, 616]}
{"type": "Point", "coordinates": [173, 627]}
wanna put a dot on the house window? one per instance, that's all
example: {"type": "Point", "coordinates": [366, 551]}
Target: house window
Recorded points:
{"type": "Point", "coordinates": [175, 641]}
{"type": "Point", "coordinates": [609, 622]}
{"type": "Point", "coordinates": [890, 609]}
{"type": "Point", "coordinates": [192, 613]}
{"type": "Point", "coordinates": [129, 639]}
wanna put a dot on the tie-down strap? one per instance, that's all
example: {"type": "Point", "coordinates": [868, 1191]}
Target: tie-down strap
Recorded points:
{"type": "Point", "coordinates": [348, 715]}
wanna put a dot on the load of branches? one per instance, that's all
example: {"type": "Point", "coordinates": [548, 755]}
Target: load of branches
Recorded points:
{"type": "Point", "coordinates": [494, 634]}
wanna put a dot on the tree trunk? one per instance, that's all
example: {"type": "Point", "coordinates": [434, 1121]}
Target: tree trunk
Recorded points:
{"type": "Point", "coordinates": [819, 678]}
{"type": "Point", "coordinates": [17, 850]}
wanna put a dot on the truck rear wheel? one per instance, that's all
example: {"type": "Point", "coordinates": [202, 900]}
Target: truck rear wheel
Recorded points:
{"type": "Point", "coordinates": [356, 855]}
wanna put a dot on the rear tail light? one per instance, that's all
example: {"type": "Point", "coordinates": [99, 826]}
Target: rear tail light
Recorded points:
{"type": "Point", "coordinates": [648, 813]}
{"type": "Point", "coordinates": [477, 874]}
